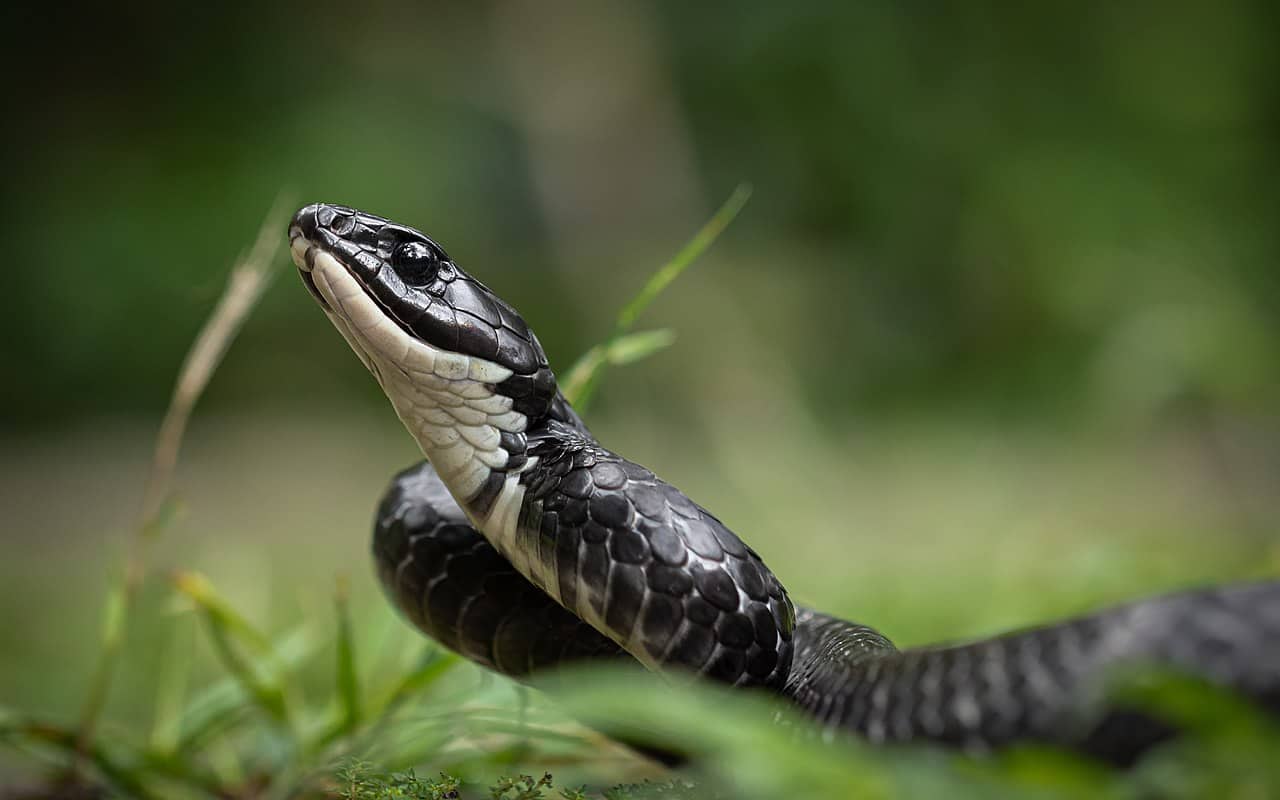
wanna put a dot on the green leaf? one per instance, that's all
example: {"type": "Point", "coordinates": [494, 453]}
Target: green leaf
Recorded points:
{"type": "Point", "coordinates": [752, 746]}
{"type": "Point", "coordinates": [625, 349]}
{"type": "Point", "coordinates": [1191, 703]}
{"type": "Point", "coordinates": [636, 346]}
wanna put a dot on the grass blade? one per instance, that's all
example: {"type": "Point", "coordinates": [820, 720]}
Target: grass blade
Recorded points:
{"type": "Point", "coordinates": [348, 685]}
{"type": "Point", "coordinates": [435, 664]}
{"type": "Point", "coordinates": [704, 238]}
{"type": "Point", "coordinates": [583, 377]}
{"type": "Point", "coordinates": [171, 684]}
{"type": "Point", "coordinates": [124, 777]}
{"type": "Point", "coordinates": [199, 590]}
{"type": "Point", "coordinates": [231, 634]}
{"type": "Point", "coordinates": [221, 706]}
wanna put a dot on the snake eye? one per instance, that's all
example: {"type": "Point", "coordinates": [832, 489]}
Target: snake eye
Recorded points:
{"type": "Point", "coordinates": [415, 263]}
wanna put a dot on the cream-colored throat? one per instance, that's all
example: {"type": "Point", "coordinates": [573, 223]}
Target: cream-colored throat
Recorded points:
{"type": "Point", "coordinates": [447, 401]}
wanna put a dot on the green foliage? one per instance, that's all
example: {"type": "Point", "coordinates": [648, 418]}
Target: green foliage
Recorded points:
{"type": "Point", "coordinates": [251, 732]}
{"type": "Point", "coordinates": [360, 781]}
{"type": "Point", "coordinates": [521, 787]}
{"type": "Point", "coordinates": [740, 750]}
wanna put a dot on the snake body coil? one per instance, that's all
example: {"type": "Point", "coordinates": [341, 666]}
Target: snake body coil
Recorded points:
{"type": "Point", "coordinates": [523, 543]}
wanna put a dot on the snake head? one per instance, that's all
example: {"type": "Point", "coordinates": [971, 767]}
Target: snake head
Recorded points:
{"type": "Point", "coordinates": [412, 282]}
{"type": "Point", "coordinates": [462, 369]}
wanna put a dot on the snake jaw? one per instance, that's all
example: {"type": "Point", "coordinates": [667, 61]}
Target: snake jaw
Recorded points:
{"type": "Point", "coordinates": [303, 253]}
{"type": "Point", "coordinates": [418, 286]}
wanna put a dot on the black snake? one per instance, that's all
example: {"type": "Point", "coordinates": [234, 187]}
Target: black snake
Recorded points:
{"type": "Point", "coordinates": [523, 543]}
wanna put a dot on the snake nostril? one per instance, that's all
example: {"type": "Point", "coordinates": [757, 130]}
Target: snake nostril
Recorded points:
{"type": "Point", "coordinates": [325, 215]}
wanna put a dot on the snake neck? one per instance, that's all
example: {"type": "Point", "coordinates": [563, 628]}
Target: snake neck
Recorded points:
{"type": "Point", "coordinates": [645, 565]}
{"type": "Point", "coordinates": [479, 425]}
{"type": "Point", "coordinates": [472, 433]}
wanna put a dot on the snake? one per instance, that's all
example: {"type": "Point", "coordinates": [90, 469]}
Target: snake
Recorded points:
{"type": "Point", "coordinates": [524, 544]}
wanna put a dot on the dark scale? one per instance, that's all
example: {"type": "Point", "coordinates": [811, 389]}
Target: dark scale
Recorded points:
{"type": "Point", "coordinates": [593, 573]}
{"type": "Point", "coordinates": [693, 644]}
{"type": "Point", "coordinates": [514, 444]}
{"type": "Point", "coordinates": [482, 502]}
{"type": "Point", "coordinates": [532, 395]}
{"type": "Point", "coordinates": [567, 549]}
{"type": "Point", "coordinates": [624, 596]}
{"type": "Point", "coordinates": [729, 664]}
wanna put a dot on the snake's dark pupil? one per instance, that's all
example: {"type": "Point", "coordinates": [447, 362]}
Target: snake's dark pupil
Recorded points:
{"type": "Point", "coordinates": [415, 263]}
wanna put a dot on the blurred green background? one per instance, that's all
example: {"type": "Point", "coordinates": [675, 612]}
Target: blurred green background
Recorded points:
{"type": "Point", "coordinates": [996, 339]}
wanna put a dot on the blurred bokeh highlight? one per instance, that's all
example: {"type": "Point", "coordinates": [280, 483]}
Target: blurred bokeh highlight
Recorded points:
{"type": "Point", "coordinates": [996, 339]}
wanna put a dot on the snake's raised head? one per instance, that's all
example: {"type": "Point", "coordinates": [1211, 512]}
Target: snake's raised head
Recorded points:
{"type": "Point", "coordinates": [415, 283]}
{"type": "Point", "coordinates": [464, 372]}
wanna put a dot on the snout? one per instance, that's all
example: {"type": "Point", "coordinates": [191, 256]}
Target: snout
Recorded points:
{"type": "Point", "coordinates": [305, 222]}
{"type": "Point", "coordinates": [317, 224]}
{"type": "Point", "coordinates": [303, 234]}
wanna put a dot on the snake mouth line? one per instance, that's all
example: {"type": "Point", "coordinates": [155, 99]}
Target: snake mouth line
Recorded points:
{"type": "Point", "coordinates": [304, 255]}
{"type": "Point", "coordinates": [305, 252]}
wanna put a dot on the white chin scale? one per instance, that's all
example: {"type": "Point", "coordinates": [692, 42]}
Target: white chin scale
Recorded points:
{"type": "Point", "coordinates": [446, 400]}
